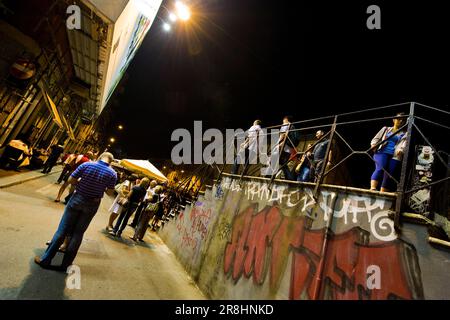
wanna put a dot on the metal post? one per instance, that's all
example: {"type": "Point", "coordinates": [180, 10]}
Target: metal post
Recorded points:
{"type": "Point", "coordinates": [325, 161]}
{"type": "Point", "coordinates": [402, 185]}
{"type": "Point", "coordinates": [280, 151]}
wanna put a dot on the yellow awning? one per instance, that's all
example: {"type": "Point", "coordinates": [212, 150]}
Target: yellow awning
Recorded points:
{"type": "Point", "coordinates": [144, 167]}
{"type": "Point", "coordinates": [51, 105]}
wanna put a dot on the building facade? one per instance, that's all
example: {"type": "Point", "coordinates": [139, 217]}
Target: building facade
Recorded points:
{"type": "Point", "coordinates": [55, 79]}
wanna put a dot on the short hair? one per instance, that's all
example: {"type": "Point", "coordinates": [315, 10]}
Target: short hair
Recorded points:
{"type": "Point", "coordinates": [400, 115]}
{"type": "Point", "coordinates": [106, 157]}
{"type": "Point", "coordinates": [133, 177]}
{"type": "Point", "coordinates": [158, 190]}
{"type": "Point", "coordinates": [288, 118]}
{"type": "Point", "coordinates": [257, 122]}
{"type": "Point", "coordinates": [145, 182]}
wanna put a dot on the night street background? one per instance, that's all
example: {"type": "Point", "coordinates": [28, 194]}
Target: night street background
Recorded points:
{"type": "Point", "coordinates": [236, 61]}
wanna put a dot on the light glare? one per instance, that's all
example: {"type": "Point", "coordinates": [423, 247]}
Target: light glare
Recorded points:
{"type": "Point", "coordinates": [166, 27]}
{"type": "Point", "coordinates": [182, 11]}
{"type": "Point", "coordinates": [172, 17]}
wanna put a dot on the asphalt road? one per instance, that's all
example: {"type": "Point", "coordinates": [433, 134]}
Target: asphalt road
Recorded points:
{"type": "Point", "coordinates": [109, 268]}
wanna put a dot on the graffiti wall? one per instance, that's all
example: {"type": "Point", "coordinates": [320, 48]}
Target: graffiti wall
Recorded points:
{"type": "Point", "coordinates": [251, 242]}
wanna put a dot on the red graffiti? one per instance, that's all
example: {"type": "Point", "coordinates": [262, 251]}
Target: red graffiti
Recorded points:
{"type": "Point", "coordinates": [262, 241]}
{"type": "Point", "coordinates": [196, 228]}
{"type": "Point", "coordinates": [200, 220]}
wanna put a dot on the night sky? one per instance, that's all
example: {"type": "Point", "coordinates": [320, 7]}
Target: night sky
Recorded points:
{"type": "Point", "coordinates": [236, 61]}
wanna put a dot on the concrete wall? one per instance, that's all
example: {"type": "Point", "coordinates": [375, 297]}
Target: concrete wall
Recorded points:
{"type": "Point", "coordinates": [247, 242]}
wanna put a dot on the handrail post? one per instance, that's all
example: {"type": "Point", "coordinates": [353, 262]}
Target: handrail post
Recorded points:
{"type": "Point", "coordinates": [402, 185]}
{"type": "Point", "coordinates": [325, 161]}
{"type": "Point", "coordinates": [280, 151]}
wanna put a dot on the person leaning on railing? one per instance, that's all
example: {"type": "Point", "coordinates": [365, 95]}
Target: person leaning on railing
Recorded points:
{"type": "Point", "coordinates": [388, 155]}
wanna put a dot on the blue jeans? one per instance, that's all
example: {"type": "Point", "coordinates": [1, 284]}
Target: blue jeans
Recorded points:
{"type": "Point", "coordinates": [288, 174]}
{"type": "Point", "coordinates": [74, 222]}
{"type": "Point", "coordinates": [303, 176]}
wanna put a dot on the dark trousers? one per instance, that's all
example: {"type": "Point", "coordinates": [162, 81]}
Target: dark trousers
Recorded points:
{"type": "Point", "coordinates": [124, 217]}
{"type": "Point", "coordinates": [63, 174]}
{"type": "Point", "coordinates": [74, 222]}
{"type": "Point", "coordinates": [49, 164]}
{"type": "Point", "coordinates": [288, 174]}
{"type": "Point", "coordinates": [138, 213]}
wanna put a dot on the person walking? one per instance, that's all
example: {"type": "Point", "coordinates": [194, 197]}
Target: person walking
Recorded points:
{"type": "Point", "coordinates": [67, 168]}
{"type": "Point", "coordinates": [153, 206]}
{"type": "Point", "coordinates": [248, 150]}
{"type": "Point", "coordinates": [92, 180]}
{"type": "Point", "coordinates": [55, 151]}
{"type": "Point", "coordinates": [136, 195]}
{"type": "Point", "coordinates": [286, 146]}
{"type": "Point", "coordinates": [74, 164]}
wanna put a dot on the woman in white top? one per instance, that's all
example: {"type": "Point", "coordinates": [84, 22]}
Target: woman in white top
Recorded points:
{"type": "Point", "coordinates": [117, 206]}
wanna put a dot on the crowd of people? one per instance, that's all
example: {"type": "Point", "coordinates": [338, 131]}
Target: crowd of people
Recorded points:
{"type": "Point", "coordinates": [141, 197]}
{"type": "Point", "coordinates": [387, 149]}
{"type": "Point", "coordinates": [151, 202]}
{"type": "Point", "coordinates": [88, 179]}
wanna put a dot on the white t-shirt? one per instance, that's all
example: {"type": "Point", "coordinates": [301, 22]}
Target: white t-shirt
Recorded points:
{"type": "Point", "coordinates": [253, 135]}
{"type": "Point", "coordinates": [150, 193]}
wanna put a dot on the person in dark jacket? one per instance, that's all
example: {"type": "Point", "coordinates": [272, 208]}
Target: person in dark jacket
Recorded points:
{"type": "Point", "coordinates": [55, 151]}
{"type": "Point", "coordinates": [136, 195]}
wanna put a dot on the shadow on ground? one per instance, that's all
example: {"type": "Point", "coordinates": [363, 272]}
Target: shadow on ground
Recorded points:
{"type": "Point", "coordinates": [125, 239]}
{"type": "Point", "coordinates": [40, 284]}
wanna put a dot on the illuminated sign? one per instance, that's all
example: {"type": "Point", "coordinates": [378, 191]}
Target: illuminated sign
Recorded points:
{"type": "Point", "coordinates": [129, 32]}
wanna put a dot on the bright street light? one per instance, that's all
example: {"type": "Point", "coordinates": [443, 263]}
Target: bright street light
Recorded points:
{"type": "Point", "coordinates": [183, 11]}
{"type": "Point", "coordinates": [120, 127]}
{"type": "Point", "coordinates": [172, 17]}
{"type": "Point", "coordinates": [112, 139]}
{"type": "Point", "coordinates": [166, 27]}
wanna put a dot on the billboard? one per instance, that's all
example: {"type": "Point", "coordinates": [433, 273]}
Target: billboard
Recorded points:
{"type": "Point", "coordinates": [129, 32]}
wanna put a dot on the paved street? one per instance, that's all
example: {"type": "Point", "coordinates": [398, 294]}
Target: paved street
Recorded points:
{"type": "Point", "coordinates": [110, 269]}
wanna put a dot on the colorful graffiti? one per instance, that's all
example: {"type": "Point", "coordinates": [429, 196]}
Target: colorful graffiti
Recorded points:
{"type": "Point", "coordinates": [324, 266]}
{"type": "Point", "coordinates": [352, 208]}
{"type": "Point", "coordinates": [250, 242]}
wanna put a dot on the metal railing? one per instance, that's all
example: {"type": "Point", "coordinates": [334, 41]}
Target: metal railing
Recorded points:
{"type": "Point", "coordinates": [334, 135]}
